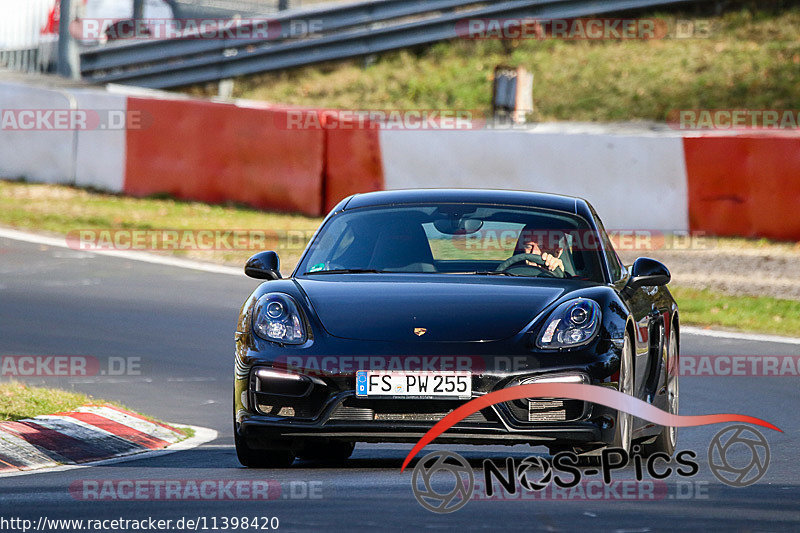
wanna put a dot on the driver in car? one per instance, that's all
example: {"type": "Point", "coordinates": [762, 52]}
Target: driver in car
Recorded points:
{"type": "Point", "coordinates": [545, 243]}
{"type": "Point", "coordinates": [551, 258]}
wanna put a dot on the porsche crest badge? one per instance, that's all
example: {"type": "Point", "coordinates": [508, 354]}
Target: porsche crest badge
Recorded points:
{"type": "Point", "coordinates": [419, 332]}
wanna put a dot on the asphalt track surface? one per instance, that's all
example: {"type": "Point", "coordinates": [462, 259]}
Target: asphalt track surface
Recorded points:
{"type": "Point", "coordinates": [180, 323]}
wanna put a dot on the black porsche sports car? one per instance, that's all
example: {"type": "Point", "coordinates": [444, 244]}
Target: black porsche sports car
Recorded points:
{"type": "Point", "coordinates": [406, 304]}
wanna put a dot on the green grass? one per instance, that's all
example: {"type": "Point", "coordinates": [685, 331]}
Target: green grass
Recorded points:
{"type": "Point", "coordinates": [18, 401]}
{"type": "Point", "coordinates": [748, 313]}
{"type": "Point", "coordinates": [59, 209]}
{"type": "Point", "coordinates": [750, 60]}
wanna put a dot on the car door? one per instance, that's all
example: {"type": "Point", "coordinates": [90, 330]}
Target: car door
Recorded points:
{"type": "Point", "coordinates": [640, 303]}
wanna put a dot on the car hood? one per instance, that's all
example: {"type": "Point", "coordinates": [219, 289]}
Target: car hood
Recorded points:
{"type": "Point", "coordinates": [450, 308]}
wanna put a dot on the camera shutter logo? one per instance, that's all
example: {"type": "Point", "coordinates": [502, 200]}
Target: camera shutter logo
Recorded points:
{"type": "Point", "coordinates": [531, 465]}
{"type": "Point", "coordinates": [739, 456]}
{"type": "Point", "coordinates": [461, 473]}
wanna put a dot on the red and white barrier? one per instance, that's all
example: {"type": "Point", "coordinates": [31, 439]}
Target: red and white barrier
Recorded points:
{"type": "Point", "coordinates": [634, 181]}
{"type": "Point", "coordinates": [35, 154]}
{"type": "Point", "coordinates": [745, 185]}
{"type": "Point", "coordinates": [727, 184]}
{"type": "Point", "coordinates": [216, 152]}
{"type": "Point", "coordinates": [100, 154]}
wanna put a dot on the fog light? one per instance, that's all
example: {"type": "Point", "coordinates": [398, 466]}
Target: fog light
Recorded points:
{"type": "Point", "coordinates": [550, 409]}
{"type": "Point", "coordinates": [269, 410]}
{"type": "Point", "coordinates": [281, 383]}
{"type": "Point", "coordinates": [557, 378]}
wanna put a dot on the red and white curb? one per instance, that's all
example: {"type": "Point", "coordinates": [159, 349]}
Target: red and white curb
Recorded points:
{"type": "Point", "coordinates": [89, 434]}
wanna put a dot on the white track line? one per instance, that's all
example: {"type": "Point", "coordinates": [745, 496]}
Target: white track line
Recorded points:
{"type": "Point", "coordinates": [201, 436]}
{"type": "Point", "coordinates": [757, 337]}
{"type": "Point", "coordinates": [123, 254]}
{"type": "Point", "coordinates": [218, 269]}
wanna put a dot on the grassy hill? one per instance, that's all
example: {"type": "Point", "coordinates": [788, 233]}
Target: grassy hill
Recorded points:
{"type": "Point", "coordinates": [750, 59]}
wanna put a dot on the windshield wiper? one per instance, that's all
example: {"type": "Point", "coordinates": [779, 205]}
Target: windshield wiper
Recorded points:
{"type": "Point", "coordinates": [492, 273]}
{"type": "Point", "coordinates": [505, 273]}
{"type": "Point", "coordinates": [345, 271]}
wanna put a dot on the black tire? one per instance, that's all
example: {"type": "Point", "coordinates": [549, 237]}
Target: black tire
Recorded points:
{"type": "Point", "coordinates": [667, 440]}
{"type": "Point", "coordinates": [622, 431]}
{"type": "Point", "coordinates": [327, 452]}
{"type": "Point", "coordinates": [623, 428]}
{"type": "Point", "coordinates": [252, 458]}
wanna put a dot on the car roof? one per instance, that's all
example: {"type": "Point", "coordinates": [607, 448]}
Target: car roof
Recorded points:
{"type": "Point", "coordinates": [477, 196]}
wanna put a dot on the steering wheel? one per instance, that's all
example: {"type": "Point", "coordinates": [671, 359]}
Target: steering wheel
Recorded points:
{"type": "Point", "coordinates": [533, 258]}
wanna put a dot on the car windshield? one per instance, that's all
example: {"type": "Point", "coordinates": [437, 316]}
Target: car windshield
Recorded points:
{"type": "Point", "coordinates": [456, 239]}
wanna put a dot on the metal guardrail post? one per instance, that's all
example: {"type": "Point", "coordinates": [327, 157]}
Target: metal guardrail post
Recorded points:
{"type": "Point", "coordinates": [138, 9]}
{"type": "Point", "coordinates": [68, 60]}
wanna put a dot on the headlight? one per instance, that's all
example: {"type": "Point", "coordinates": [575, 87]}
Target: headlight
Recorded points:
{"type": "Point", "coordinates": [573, 323]}
{"type": "Point", "coordinates": [277, 319]}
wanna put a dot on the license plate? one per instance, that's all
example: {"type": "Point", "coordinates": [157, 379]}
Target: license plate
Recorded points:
{"type": "Point", "coordinates": [386, 384]}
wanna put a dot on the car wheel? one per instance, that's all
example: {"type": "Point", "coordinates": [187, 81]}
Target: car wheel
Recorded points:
{"type": "Point", "coordinates": [667, 440]}
{"type": "Point", "coordinates": [624, 424]}
{"type": "Point", "coordinates": [254, 458]}
{"type": "Point", "coordinates": [328, 452]}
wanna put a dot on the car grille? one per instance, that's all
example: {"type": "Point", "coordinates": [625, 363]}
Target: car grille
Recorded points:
{"type": "Point", "coordinates": [402, 411]}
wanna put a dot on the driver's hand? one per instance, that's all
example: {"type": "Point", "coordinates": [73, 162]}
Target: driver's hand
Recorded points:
{"type": "Point", "coordinates": [552, 262]}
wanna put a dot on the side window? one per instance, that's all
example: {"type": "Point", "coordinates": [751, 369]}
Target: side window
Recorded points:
{"type": "Point", "coordinates": [614, 264]}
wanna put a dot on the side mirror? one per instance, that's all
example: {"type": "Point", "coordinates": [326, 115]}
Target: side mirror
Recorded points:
{"type": "Point", "coordinates": [648, 272]}
{"type": "Point", "coordinates": [263, 265]}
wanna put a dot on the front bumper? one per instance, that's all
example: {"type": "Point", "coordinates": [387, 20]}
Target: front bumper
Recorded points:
{"type": "Point", "coordinates": [493, 425]}
{"type": "Point", "coordinates": [325, 406]}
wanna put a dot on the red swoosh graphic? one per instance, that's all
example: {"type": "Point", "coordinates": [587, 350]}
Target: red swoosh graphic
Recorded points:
{"type": "Point", "coordinates": [588, 393]}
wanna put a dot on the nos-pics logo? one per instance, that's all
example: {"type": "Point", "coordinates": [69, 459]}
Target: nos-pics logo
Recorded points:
{"type": "Point", "coordinates": [443, 481]}
{"type": "Point", "coordinates": [461, 482]}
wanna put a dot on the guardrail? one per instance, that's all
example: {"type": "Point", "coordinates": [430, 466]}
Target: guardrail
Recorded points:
{"type": "Point", "coordinates": [341, 32]}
